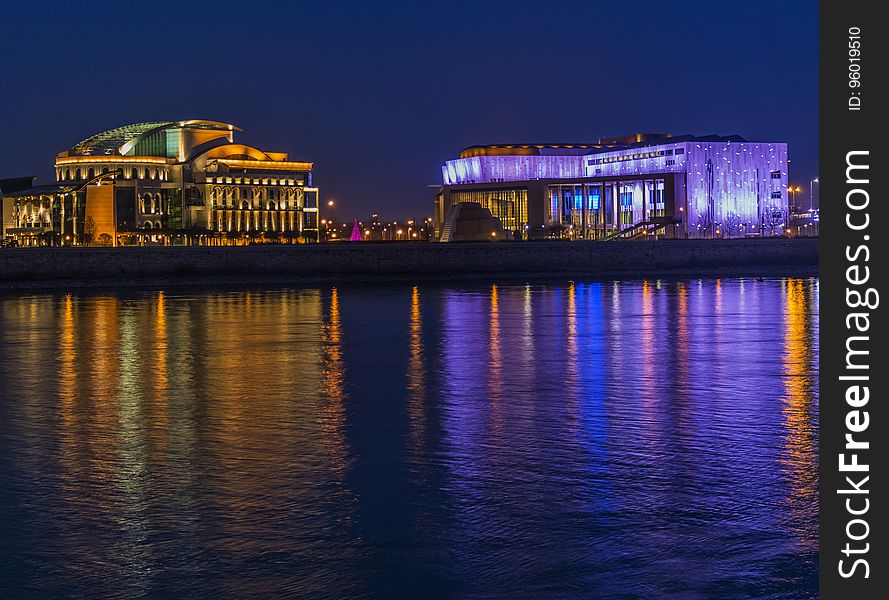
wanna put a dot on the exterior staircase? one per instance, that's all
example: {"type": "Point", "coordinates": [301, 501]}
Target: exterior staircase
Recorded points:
{"type": "Point", "coordinates": [450, 221]}
{"type": "Point", "coordinates": [641, 229]}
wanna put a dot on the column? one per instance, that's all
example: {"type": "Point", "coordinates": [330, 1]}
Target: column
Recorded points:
{"type": "Point", "coordinates": [644, 204]}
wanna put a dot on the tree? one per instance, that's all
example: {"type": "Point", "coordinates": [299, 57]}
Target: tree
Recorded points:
{"type": "Point", "coordinates": [89, 231]}
{"type": "Point", "coordinates": [104, 239]}
{"type": "Point", "coordinates": [775, 220]}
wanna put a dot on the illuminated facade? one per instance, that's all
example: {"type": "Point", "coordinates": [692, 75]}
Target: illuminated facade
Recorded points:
{"type": "Point", "coordinates": [165, 180]}
{"type": "Point", "coordinates": [642, 185]}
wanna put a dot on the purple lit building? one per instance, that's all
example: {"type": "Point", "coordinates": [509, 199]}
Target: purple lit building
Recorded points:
{"type": "Point", "coordinates": [643, 185]}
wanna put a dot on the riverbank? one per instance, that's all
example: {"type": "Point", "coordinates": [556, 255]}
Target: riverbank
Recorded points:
{"type": "Point", "coordinates": [29, 268]}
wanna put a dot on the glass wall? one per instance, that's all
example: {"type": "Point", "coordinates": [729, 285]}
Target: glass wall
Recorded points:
{"type": "Point", "coordinates": [508, 205]}
{"type": "Point", "coordinates": [654, 192]}
{"type": "Point", "coordinates": [173, 202]}
{"type": "Point", "coordinates": [626, 205]}
{"type": "Point", "coordinates": [577, 210]}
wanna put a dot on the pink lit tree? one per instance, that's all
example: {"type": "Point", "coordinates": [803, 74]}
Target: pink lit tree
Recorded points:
{"type": "Point", "coordinates": [356, 232]}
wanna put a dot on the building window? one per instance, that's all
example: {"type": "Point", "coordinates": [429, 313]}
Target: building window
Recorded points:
{"type": "Point", "coordinates": [626, 205]}
{"type": "Point", "coordinates": [680, 150]}
{"type": "Point", "coordinates": [657, 199]}
{"type": "Point", "coordinates": [776, 174]}
{"type": "Point", "coordinates": [776, 194]}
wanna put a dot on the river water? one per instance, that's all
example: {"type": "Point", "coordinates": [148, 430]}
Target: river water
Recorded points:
{"type": "Point", "coordinates": [628, 439]}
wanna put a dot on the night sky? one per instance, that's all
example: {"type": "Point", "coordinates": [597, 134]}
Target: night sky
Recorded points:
{"type": "Point", "coordinates": [379, 95]}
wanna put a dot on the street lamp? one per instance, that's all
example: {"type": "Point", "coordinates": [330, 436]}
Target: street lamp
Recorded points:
{"type": "Point", "coordinates": [812, 185]}
{"type": "Point", "coordinates": [793, 192]}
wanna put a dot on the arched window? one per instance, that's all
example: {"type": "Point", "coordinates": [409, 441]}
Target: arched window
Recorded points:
{"type": "Point", "coordinates": [134, 174]}
{"type": "Point", "coordinates": [67, 173]}
{"type": "Point", "coordinates": [147, 173]}
{"type": "Point", "coordinates": [271, 206]}
{"type": "Point", "coordinates": [90, 173]}
{"type": "Point", "coordinates": [77, 174]}
{"type": "Point", "coordinates": [157, 174]}
{"type": "Point", "coordinates": [104, 169]}
{"type": "Point", "coordinates": [245, 205]}
{"type": "Point", "coordinates": [147, 224]}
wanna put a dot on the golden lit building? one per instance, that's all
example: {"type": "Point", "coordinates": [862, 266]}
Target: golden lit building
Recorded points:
{"type": "Point", "coordinates": [167, 182]}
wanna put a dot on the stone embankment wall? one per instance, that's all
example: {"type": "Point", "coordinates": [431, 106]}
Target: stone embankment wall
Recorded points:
{"type": "Point", "coordinates": [400, 260]}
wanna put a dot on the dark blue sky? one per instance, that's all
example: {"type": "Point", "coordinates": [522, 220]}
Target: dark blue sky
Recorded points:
{"type": "Point", "coordinates": [379, 95]}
